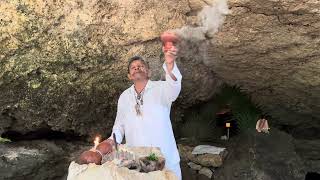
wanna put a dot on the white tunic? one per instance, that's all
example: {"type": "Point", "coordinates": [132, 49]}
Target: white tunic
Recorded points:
{"type": "Point", "coordinates": [154, 127]}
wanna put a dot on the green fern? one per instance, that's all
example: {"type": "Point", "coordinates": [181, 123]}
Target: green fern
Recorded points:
{"type": "Point", "coordinates": [200, 122]}
{"type": "Point", "coordinates": [244, 111]}
{"type": "Point", "coordinates": [246, 120]}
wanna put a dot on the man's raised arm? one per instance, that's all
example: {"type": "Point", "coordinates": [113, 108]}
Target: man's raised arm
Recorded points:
{"type": "Point", "coordinates": [173, 75]}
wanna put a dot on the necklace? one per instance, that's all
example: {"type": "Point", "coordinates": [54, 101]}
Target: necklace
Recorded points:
{"type": "Point", "coordinates": [139, 102]}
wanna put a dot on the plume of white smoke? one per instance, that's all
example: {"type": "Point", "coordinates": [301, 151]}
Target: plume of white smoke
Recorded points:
{"type": "Point", "coordinates": [195, 41]}
{"type": "Point", "coordinates": [195, 44]}
{"type": "Point", "coordinates": [210, 17]}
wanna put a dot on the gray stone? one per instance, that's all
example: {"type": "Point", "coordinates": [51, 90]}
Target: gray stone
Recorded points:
{"type": "Point", "coordinates": [38, 160]}
{"type": "Point", "coordinates": [209, 160]}
{"type": "Point", "coordinates": [194, 166]}
{"type": "Point", "coordinates": [206, 171]}
{"type": "Point", "coordinates": [207, 149]}
{"type": "Point", "coordinates": [190, 174]}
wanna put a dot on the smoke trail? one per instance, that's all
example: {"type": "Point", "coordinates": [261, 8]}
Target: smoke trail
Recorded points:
{"type": "Point", "coordinates": [210, 17]}
{"type": "Point", "coordinates": [194, 46]}
{"type": "Point", "coordinates": [195, 42]}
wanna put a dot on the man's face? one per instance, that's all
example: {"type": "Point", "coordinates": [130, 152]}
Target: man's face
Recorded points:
{"type": "Point", "coordinates": [138, 71]}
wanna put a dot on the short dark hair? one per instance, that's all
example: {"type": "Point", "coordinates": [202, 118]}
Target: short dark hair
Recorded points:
{"type": "Point", "coordinates": [137, 58]}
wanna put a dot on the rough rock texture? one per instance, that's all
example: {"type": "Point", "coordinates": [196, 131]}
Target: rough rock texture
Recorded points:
{"type": "Point", "coordinates": [110, 171]}
{"type": "Point", "coordinates": [190, 174]}
{"type": "Point", "coordinates": [262, 156]}
{"type": "Point", "coordinates": [208, 149]}
{"type": "Point", "coordinates": [209, 160]}
{"type": "Point", "coordinates": [206, 171]}
{"type": "Point", "coordinates": [270, 48]}
{"type": "Point", "coordinates": [194, 166]}
{"type": "Point", "coordinates": [38, 160]}
{"type": "Point", "coordinates": [63, 63]}
{"type": "Point", "coordinates": [309, 150]}
{"type": "Point", "coordinates": [114, 170]}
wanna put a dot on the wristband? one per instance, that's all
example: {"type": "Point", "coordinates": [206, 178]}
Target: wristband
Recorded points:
{"type": "Point", "coordinates": [99, 152]}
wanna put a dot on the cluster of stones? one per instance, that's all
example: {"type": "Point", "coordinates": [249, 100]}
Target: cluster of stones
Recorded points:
{"type": "Point", "coordinates": [203, 158]}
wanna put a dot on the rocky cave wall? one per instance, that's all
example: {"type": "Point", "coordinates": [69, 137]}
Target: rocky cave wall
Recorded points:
{"type": "Point", "coordinates": [63, 64]}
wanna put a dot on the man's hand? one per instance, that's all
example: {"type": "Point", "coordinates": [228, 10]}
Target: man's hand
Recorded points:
{"type": "Point", "coordinates": [92, 156]}
{"type": "Point", "coordinates": [170, 56]}
{"type": "Point", "coordinates": [105, 147]}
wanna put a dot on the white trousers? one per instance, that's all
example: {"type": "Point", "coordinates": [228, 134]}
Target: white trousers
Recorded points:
{"type": "Point", "coordinates": [175, 168]}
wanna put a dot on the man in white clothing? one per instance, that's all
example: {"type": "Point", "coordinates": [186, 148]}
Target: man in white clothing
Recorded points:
{"type": "Point", "coordinates": [143, 113]}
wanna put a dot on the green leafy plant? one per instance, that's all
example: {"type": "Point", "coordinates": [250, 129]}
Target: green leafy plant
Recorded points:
{"type": "Point", "coordinates": [200, 122]}
{"type": "Point", "coordinates": [246, 120]}
{"type": "Point", "coordinates": [244, 111]}
{"type": "Point", "coordinates": [152, 157]}
{"type": "Point", "coordinates": [3, 140]}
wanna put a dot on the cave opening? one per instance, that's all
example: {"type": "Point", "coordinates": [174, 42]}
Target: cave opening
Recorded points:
{"type": "Point", "coordinates": [230, 109]}
{"type": "Point", "coordinates": [312, 176]}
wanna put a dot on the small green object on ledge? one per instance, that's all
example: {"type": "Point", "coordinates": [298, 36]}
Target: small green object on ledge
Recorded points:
{"type": "Point", "coordinates": [152, 157]}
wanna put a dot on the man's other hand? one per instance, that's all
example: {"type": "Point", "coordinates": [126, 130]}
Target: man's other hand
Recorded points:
{"type": "Point", "coordinates": [90, 157]}
{"type": "Point", "coordinates": [93, 156]}
{"type": "Point", "coordinates": [105, 147]}
{"type": "Point", "coordinates": [170, 55]}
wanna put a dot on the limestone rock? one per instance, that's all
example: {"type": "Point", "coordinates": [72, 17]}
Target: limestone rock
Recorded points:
{"type": "Point", "coordinates": [194, 166]}
{"type": "Point", "coordinates": [114, 170]}
{"type": "Point", "coordinates": [110, 171]}
{"type": "Point", "coordinates": [185, 152]}
{"type": "Point", "coordinates": [209, 160]}
{"type": "Point", "coordinates": [38, 160]}
{"type": "Point", "coordinates": [63, 63]}
{"type": "Point", "coordinates": [207, 149]}
{"type": "Point", "coordinates": [206, 171]}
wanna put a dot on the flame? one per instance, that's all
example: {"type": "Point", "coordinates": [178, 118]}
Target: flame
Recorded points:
{"type": "Point", "coordinates": [96, 141]}
{"type": "Point", "coordinates": [228, 125]}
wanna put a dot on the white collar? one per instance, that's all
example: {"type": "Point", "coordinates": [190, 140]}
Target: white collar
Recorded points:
{"type": "Point", "coordinates": [149, 85]}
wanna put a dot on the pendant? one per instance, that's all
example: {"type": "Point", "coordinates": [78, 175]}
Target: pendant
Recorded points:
{"type": "Point", "coordinates": [137, 107]}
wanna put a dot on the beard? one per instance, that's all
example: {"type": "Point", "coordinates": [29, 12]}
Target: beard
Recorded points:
{"type": "Point", "coordinates": [140, 76]}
